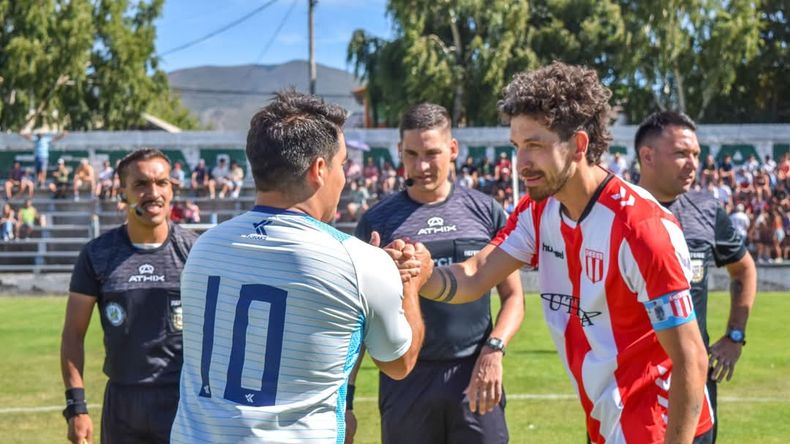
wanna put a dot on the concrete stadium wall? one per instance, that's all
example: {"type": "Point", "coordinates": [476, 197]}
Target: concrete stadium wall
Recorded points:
{"type": "Point", "coordinates": [762, 137]}
{"type": "Point", "coordinates": [770, 278]}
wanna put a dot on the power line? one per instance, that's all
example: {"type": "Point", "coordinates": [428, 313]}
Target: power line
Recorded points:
{"type": "Point", "coordinates": [220, 30]}
{"type": "Point", "coordinates": [239, 92]}
{"type": "Point", "coordinates": [271, 40]}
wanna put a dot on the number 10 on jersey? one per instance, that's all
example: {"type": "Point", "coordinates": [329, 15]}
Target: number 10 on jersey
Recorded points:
{"type": "Point", "coordinates": [248, 294]}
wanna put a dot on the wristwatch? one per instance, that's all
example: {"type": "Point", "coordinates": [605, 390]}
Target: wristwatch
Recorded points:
{"type": "Point", "coordinates": [736, 335]}
{"type": "Point", "coordinates": [496, 344]}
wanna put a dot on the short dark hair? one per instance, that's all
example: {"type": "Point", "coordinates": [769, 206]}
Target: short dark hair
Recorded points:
{"type": "Point", "coordinates": [137, 156]}
{"type": "Point", "coordinates": [567, 98]}
{"type": "Point", "coordinates": [288, 134]}
{"type": "Point", "coordinates": [655, 124]}
{"type": "Point", "coordinates": [425, 116]}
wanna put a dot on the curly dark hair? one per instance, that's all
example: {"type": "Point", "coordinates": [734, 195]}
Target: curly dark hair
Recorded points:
{"type": "Point", "coordinates": [288, 134]}
{"type": "Point", "coordinates": [566, 98]}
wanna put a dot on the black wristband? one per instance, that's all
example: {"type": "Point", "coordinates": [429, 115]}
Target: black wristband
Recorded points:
{"type": "Point", "coordinates": [75, 403]}
{"type": "Point", "coordinates": [350, 397]}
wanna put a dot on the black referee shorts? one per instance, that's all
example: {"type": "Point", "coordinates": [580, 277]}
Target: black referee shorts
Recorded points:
{"type": "Point", "coordinates": [429, 407]}
{"type": "Point", "coordinates": [134, 414]}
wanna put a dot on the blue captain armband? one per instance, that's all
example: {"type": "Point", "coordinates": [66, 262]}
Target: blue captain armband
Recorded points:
{"type": "Point", "coordinates": [670, 310]}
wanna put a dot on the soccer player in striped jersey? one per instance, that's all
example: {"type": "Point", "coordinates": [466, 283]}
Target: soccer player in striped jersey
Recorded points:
{"type": "Point", "coordinates": [668, 152]}
{"type": "Point", "coordinates": [277, 302]}
{"type": "Point", "coordinates": [613, 267]}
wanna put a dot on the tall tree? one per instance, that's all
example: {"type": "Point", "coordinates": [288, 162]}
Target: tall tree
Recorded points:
{"type": "Point", "coordinates": [456, 53]}
{"type": "Point", "coordinates": [690, 50]}
{"type": "Point", "coordinates": [82, 64]}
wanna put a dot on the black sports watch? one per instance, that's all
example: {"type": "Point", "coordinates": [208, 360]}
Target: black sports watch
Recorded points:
{"type": "Point", "coordinates": [496, 344]}
{"type": "Point", "coordinates": [736, 335]}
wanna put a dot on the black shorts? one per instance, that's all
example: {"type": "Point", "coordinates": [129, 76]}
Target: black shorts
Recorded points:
{"type": "Point", "coordinates": [429, 407]}
{"type": "Point", "coordinates": [134, 414]}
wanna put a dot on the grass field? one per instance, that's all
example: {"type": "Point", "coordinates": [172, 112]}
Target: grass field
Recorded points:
{"type": "Point", "coordinates": [754, 407]}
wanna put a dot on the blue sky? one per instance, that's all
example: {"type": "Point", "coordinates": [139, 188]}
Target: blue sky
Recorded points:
{"type": "Point", "coordinates": [335, 20]}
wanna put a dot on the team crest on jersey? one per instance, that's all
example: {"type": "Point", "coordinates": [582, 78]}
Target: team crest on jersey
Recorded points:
{"type": "Point", "coordinates": [115, 313]}
{"type": "Point", "coordinates": [593, 265]}
{"type": "Point", "coordinates": [436, 225]}
{"type": "Point", "coordinates": [697, 270]}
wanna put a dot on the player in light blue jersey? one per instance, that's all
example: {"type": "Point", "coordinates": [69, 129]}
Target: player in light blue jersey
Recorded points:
{"type": "Point", "coordinates": [277, 303]}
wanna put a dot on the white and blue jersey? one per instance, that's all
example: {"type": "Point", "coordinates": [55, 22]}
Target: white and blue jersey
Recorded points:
{"type": "Point", "coordinates": [276, 305]}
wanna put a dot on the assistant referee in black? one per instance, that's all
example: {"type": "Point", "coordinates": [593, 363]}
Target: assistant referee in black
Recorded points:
{"type": "Point", "coordinates": [133, 273]}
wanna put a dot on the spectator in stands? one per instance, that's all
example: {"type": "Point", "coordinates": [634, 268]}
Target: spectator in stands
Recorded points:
{"type": "Point", "coordinates": [353, 170]}
{"type": "Point", "coordinates": [783, 170]}
{"type": "Point", "coordinates": [235, 179]}
{"type": "Point", "coordinates": [386, 170]}
{"type": "Point", "coordinates": [61, 184]}
{"type": "Point", "coordinates": [464, 179]}
{"type": "Point", "coordinates": [371, 173]}
{"type": "Point", "coordinates": [41, 146]}
{"type": "Point", "coordinates": [178, 178]}
{"type": "Point", "coordinates": [17, 179]}
{"type": "Point", "coordinates": [201, 179]}
{"type": "Point", "coordinates": [727, 171]}
{"type": "Point", "coordinates": [618, 165]}
{"type": "Point", "coordinates": [7, 222]}
{"type": "Point", "coordinates": [84, 176]}
{"type": "Point", "coordinates": [502, 163]}
{"type": "Point", "coordinates": [104, 186]}
{"type": "Point", "coordinates": [220, 174]}
{"type": "Point", "coordinates": [191, 213]}
{"type": "Point", "coordinates": [177, 212]}
{"type": "Point", "coordinates": [740, 221]}
{"type": "Point", "coordinates": [486, 175]}
{"type": "Point", "coordinates": [359, 199]}
{"type": "Point", "coordinates": [751, 164]}
{"type": "Point", "coordinates": [28, 218]}
{"type": "Point", "coordinates": [708, 173]}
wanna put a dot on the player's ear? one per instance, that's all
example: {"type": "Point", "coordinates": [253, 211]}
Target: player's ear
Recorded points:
{"type": "Point", "coordinates": [645, 154]}
{"type": "Point", "coordinates": [582, 142]}
{"type": "Point", "coordinates": [317, 172]}
{"type": "Point", "coordinates": [453, 149]}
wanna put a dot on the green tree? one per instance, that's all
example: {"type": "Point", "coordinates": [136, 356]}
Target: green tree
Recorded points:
{"type": "Point", "coordinates": [82, 64]}
{"type": "Point", "coordinates": [455, 53]}
{"type": "Point", "coordinates": [690, 51]}
{"type": "Point", "coordinates": [761, 91]}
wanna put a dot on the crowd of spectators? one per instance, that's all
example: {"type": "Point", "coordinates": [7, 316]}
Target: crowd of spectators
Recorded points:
{"type": "Point", "coordinates": [756, 195]}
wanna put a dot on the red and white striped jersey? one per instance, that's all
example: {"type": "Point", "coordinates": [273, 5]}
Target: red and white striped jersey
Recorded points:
{"type": "Point", "coordinates": [596, 277]}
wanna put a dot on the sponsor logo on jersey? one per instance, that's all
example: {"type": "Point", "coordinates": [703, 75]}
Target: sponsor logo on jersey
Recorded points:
{"type": "Point", "coordinates": [146, 274]}
{"type": "Point", "coordinates": [593, 265]}
{"type": "Point", "coordinates": [436, 225]}
{"type": "Point", "coordinates": [442, 261]}
{"type": "Point", "coordinates": [570, 305]}
{"type": "Point", "coordinates": [115, 314]}
{"type": "Point", "coordinates": [625, 199]}
{"type": "Point", "coordinates": [557, 253]}
{"type": "Point", "coordinates": [260, 230]}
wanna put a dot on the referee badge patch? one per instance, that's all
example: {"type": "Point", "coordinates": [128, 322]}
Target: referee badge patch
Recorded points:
{"type": "Point", "coordinates": [697, 270]}
{"type": "Point", "coordinates": [176, 315]}
{"type": "Point", "coordinates": [115, 313]}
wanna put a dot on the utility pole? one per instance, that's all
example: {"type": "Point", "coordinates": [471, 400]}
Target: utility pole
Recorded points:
{"type": "Point", "coordinates": [311, 27]}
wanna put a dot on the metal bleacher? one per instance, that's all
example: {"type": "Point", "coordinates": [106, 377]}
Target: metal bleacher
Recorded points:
{"type": "Point", "coordinates": [70, 224]}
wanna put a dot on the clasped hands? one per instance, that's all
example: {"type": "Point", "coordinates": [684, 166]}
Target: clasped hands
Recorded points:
{"type": "Point", "coordinates": [413, 259]}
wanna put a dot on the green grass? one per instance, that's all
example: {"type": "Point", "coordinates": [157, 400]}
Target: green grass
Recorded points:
{"type": "Point", "coordinates": [30, 377]}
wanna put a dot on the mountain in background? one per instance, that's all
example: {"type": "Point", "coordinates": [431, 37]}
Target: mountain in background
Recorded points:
{"type": "Point", "coordinates": [226, 97]}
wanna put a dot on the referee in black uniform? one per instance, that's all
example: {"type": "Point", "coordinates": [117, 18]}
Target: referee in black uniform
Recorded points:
{"type": "Point", "coordinates": [455, 392]}
{"type": "Point", "coordinates": [668, 151]}
{"type": "Point", "coordinates": [133, 273]}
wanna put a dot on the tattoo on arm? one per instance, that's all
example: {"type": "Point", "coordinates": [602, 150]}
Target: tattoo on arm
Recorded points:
{"type": "Point", "coordinates": [736, 287]}
{"type": "Point", "coordinates": [453, 286]}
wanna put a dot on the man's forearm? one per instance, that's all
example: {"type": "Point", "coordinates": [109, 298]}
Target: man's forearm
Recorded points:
{"type": "Point", "coordinates": [686, 395]}
{"type": "Point", "coordinates": [72, 362]}
{"type": "Point", "coordinates": [743, 290]}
